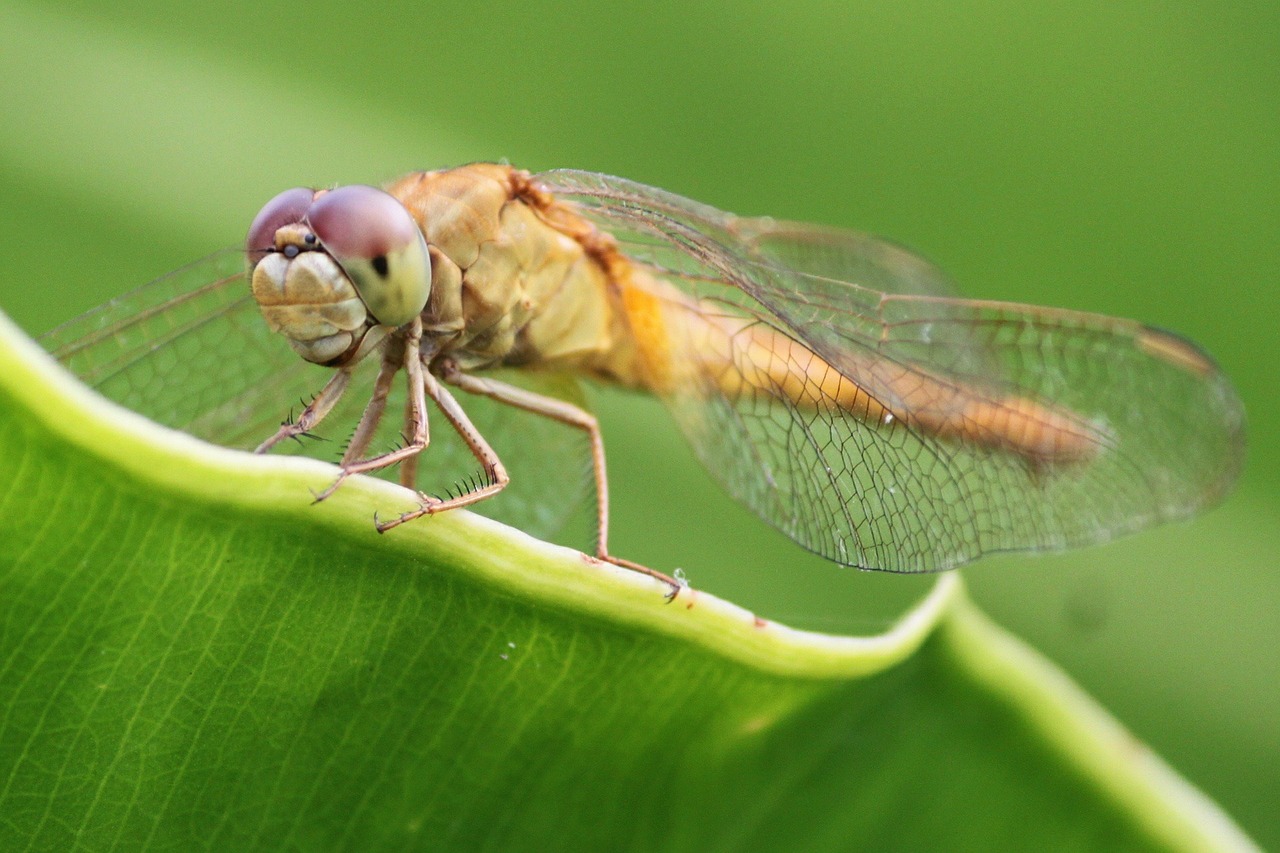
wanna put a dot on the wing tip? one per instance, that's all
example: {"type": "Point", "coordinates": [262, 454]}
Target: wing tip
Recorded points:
{"type": "Point", "coordinates": [1177, 350]}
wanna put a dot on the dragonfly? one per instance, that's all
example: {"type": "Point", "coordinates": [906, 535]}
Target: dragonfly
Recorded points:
{"type": "Point", "coordinates": [832, 381]}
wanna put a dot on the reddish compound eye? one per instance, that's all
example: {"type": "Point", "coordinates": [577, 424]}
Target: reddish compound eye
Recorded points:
{"type": "Point", "coordinates": [380, 247]}
{"type": "Point", "coordinates": [361, 222]}
{"type": "Point", "coordinates": [288, 208]}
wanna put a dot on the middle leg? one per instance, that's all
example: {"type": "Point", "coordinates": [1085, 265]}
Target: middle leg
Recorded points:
{"type": "Point", "coordinates": [496, 478]}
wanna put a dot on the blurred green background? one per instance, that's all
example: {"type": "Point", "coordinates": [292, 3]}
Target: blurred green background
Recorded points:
{"type": "Point", "coordinates": [1117, 159]}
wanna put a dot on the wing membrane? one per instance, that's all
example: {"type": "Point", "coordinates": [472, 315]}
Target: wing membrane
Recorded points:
{"type": "Point", "coordinates": [950, 471]}
{"type": "Point", "coordinates": [190, 351]}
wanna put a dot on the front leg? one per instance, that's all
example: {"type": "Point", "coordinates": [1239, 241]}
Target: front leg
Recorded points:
{"type": "Point", "coordinates": [411, 359]}
{"type": "Point", "coordinates": [314, 412]}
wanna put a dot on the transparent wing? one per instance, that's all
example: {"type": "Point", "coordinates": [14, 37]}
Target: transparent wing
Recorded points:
{"type": "Point", "coordinates": [939, 462]}
{"type": "Point", "coordinates": [819, 252]}
{"type": "Point", "coordinates": [191, 351]}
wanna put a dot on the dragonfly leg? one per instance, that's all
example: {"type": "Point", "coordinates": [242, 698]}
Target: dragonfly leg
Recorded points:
{"type": "Point", "coordinates": [570, 415]}
{"type": "Point", "coordinates": [369, 420]}
{"type": "Point", "coordinates": [495, 471]}
{"type": "Point", "coordinates": [314, 412]}
{"type": "Point", "coordinates": [373, 412]}
{"type": "Point", "coordinates": [418, 437]}
{"type": "Point", "coordinates": [409, 467]}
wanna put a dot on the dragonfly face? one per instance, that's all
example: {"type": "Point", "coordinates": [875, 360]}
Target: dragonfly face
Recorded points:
{"type": "Point", "coordinates": [328, 267]}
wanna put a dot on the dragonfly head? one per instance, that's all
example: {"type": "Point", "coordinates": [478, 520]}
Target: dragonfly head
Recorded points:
{"type": "Point", "coordinates": [329, 266]}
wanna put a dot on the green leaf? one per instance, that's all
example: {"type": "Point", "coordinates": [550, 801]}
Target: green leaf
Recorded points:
{"type": "Point", "coordinates": [194, 656]}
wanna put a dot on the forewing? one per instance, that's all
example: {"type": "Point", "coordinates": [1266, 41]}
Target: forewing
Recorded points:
{"type": "Point", "coordinates": [1165, 427]}
{"type": "Point", "coordinates": [838, 254]}
{"type": "Point", "coordinates": [191, 351]}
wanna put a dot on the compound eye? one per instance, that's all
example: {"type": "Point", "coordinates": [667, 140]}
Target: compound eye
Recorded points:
{"type": "Point", "coordinates": [379, 246]}
{"type": "Point", "coordinates": [288, 208]}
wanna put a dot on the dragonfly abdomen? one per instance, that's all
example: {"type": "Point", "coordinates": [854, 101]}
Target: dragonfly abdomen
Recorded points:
{"type": "Point", "coordinates": [688, 343]}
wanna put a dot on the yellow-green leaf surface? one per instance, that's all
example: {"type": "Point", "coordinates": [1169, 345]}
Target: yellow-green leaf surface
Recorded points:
{"type": "Point", "coordinates": [193, 656]}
